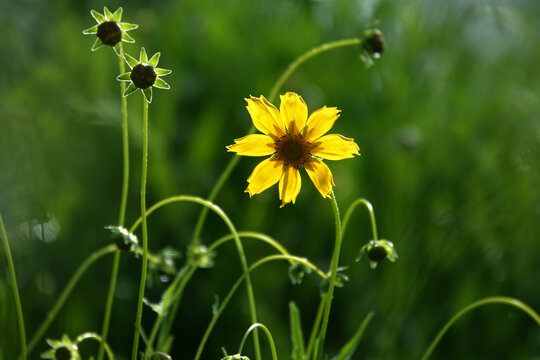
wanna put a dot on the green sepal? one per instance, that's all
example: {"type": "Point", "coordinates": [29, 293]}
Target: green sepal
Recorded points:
{"type": "Point", "coordinates": [97, 16]}
{"type": "Point", "coordinates": [91, 31]}
{"type": "Point", "coordinates": [124, 77]}
{"type": "Point", "coordinates": [147, 94]}
{"type": "Point", "coordinates": [108, 14]}
{"type": "Point", "coordinates": [143, 57]}
{"type": "Point", "coordinates": [49, 354]}
{"type": "Point", "coordinates": [127, 38]}
{"type": "Point", "coordinates": [130, 89]}
{"type": "Point", "coordinates": [116, 49]}
{"type": "Point", "coordinates": [154, 60]}
{"type": "Point", "coordinates": [296, 333]}
{"type": "Point", "coordinates": [131, 61]}
{"type": "Point", "coordinates": [117, 16]}
{"type": "Point", "coordinates": [97, 44]}
{"type": "Point", "coordinates": [161, 84]}
{"type": "Point", "coordinates": [127, 26]}
{"type": "Point", "coordinates": [349, 348]}
{"type": "Point", "coordinates": [162, 72]}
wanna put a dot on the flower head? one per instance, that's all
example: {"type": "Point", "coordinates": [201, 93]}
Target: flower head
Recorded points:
{"type": "Point", "coordinates": [144, 74]}
{"type": "Point", "coordinates": [109, 30]}
{"type": "Point", "coordinates": [63, 349]}
{"type": "Point", "coordinates": [294, 141]}
{"type": "Point", "coordinates": [377, 251]}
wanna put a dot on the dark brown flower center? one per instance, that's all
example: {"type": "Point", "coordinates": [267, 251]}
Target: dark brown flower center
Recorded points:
{"type": "Point", "coordinates": [293, 150]}
{"type": "Point", "coordinates": [143, 76]}
{"type": "Point", "coordinates": [377, 253]}
{"type": "Point", "coordinates": [109, 33]}
{"type": "Point", "coordinates": [62, 353]}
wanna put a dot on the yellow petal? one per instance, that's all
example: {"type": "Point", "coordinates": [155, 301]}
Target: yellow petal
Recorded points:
{"type": "Point", "coordinates": [253, 145]}
{"type": "Point", "coordinates": [289, 185]}
{"type": "Point", "coordinates": [334, 147]}
{"type": "Point", "coordinates": [266, 174]}
{"type": "Point", "coordinates": [265, 116]}
{"type": "Point", "coordinates": [294, 112]}
{"type": "Point", "coordinates": [320, 122]}
{"type": "Point", "coordinates": [321, 176]}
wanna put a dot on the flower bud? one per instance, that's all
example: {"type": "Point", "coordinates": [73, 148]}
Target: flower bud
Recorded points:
{"type": "Point", "coordinates": [377, 251]}
{"type": "Point", "coordinates": [374, 42]}
{"type": "Point", "coordinates": [62, 353]}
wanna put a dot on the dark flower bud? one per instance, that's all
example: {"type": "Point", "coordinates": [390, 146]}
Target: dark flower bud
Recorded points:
{"type": "Point", "coordinates": [143, 76]}
{"type": "Point", "coordinates": [374, 42]}
{"type": "Point", "coordinates": [377, 253]}
{"type": "Point", "coordinates": [62, 353]}
{"type": "Point", "coordinates": [123, 239]}
{"type": "Point", "coordinates": [109, 32]}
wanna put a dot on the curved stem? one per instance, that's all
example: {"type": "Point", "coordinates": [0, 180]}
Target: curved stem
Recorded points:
{"type": "Point", "coordinates": [123, 204]}
{"type": "Point", "coordinates": [333, 274]}
{"type": "Point", "coordinates": [268, 336]}
{"type": "Point", "coordinates": [102, 343]}
{"type": "Point", "coordinates": [144, 230]}
{"type": "Point", "coordinates": [67, 291]}
{"type": "Point", "coordinates": [16, 298]}
{"type": "Point", "coordinates": [235, 286]}
{"type": "Point", "coordinates": [272, 97]}
{"type": "Point", "coordinates": [490, 300]}
{"type": "Point", "coordinates": [350, 211]}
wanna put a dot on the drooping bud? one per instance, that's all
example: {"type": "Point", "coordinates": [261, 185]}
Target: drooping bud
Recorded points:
{"type": "Point", "coordinates": [377, 251]}
{"type": "Point", "coordinates": [374, 42]}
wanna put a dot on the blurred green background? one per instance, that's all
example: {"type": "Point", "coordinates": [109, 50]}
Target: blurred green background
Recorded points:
{"type": "Point", "coordinates": [447, 123]}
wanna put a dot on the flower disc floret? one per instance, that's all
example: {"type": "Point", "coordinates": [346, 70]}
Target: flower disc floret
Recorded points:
{"type": "Point", "coordinates": [143, 76]}
{"type": "Point", "coordinates": [110, 30]}
{"type": "Point", "coordinates": [293, 141]}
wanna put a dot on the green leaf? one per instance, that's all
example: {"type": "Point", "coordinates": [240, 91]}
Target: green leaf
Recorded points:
{"type": "Point", "coordinates": [143, 57]}
{"type": "Point", "coordinates": [97, 44]}
{"type": "Point", "coordinates": [124, 77]}
{"type": "Point", "coordinates": [130, 89]}
{"type": "Point", "coordinates": [161, 84]}
{"type": "Point", "coordinates": [117, 16]}
{"type": "Point", "coordinates": [127, 38]}
{"type": "Point", "coordinates": [148, 94]}
{"type": "Point", "coordinates": [131, 61]}
{"type": "Point", "coordinates": [162, 72]}
{"type": "Point", "coordinates": [127, 26]}
{"type": "Point", "coordinates": [296, 333]}
{"type": "Point", "coordinates": [99, 17]}
{"type": "Point", "coordinates": [154, 60]}
{"type": "Point", "coordinates": [91, 31]}
{"type": "Point", "coordinates": [108, 14]}
{"type": "Point", "coordinates": [350, 347]}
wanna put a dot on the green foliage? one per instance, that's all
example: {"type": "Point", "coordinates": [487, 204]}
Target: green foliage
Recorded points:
{"type": "Point", "coordinates": [446, 121]}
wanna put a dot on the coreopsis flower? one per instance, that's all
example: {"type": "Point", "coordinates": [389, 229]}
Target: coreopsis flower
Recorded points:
{"type": "Point", "coordinates": [144, 74]}
{"type": "Point", "coordinates": [63, 349]}
{"type": "Point", "coordinates": [109, 30]}
{"type": "Point", "coordinates": [294, 141]}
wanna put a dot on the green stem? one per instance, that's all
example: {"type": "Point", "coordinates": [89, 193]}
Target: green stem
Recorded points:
{"type": "Point", "coordinates": [350, 211]}
{"type": "Point", "coordinates": [273, 95]}
{"type": "Point", "coordinates": [67, 291]}
{"type": "Point", "coordinates": [123, 205]}
{"type": "Point", "coordinates": [102, 343]}
{"type": "Point", "coordinates": [333, 274]}
{"type": "Point", "coordinates": [315, 328]}
{"type": "Point", "coordinates": [268, 336]}
{"type": "Point", "coordinates": [142, 284]}
{"type": "Point", "coordinates": [20, 318]}
{"type": "Point", "coordinates": [490, 300]}
{"type": "Point", "coordinates": [235, 286]}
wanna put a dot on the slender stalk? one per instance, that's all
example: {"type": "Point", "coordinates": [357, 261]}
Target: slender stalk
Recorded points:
{"type": "Point", "coordinates": [333, 274]}
{"type": "Point", "coordinates": [315, 328]}
{"type": "Point", "coordinates": [67, 291]}
{"type": "Point", "coordinates": [235, 286]}
{"type": "Point", "coordinates": [94, 336]}
{"type": "Point", "coordinates": [144, 230]}
{"type": "Point", "coordinates": [18, 307]}
{"type": "Point", "coordinates": [273, 94]}
{"type": "Point", "coordinates": [123, 204]}
{"type": "Point", "coordinates": [490, 300]}
{"type": "Point", "coordinates": [268, 336]}
{"type": "Point", "coordinates": [350, 211]}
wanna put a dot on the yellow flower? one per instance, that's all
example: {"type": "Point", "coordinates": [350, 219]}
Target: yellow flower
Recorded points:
{"type": "Point", "coordinates": [294, 141]}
